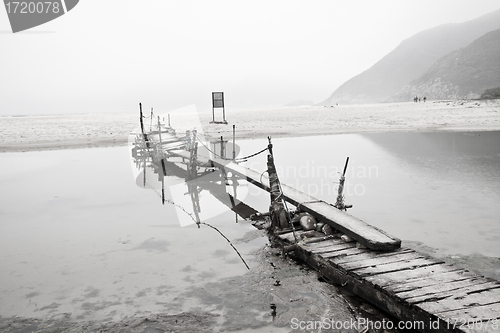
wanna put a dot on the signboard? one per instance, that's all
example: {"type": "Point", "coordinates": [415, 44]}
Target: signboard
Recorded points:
{"type": "Point", "coordinates": [217, 99]}
{"type": "Point", "coordinates": [218, 102]}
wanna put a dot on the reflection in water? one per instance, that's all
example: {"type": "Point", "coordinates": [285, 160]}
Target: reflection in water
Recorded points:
{"type": "Point", "coordinates": [181, 177]}
{"type": "Point", "coordinates": [149, 152]}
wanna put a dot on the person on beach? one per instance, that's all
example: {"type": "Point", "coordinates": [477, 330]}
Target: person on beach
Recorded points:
{"type": "Point", "coordinates": [425, 98]}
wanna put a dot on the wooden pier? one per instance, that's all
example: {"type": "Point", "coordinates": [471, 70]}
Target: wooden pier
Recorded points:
{"type": "Point", "coordinates": [367, 235]}
{"type": "Point", "coordinates": [412, 287]}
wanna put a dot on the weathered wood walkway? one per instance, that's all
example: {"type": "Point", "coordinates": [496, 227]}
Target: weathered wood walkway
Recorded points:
{"type": "Point", "coordinates": [411, 286]}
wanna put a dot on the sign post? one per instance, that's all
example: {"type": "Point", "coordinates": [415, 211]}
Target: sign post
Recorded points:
{"type": "Point", "coordinates": [218, 102]}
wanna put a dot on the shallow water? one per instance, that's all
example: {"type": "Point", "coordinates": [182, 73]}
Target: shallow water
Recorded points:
{"type": "Point", "coordinates": [441, 189]}
{"type": "Point", "coordinates": [79, 237]}
{"type": "Point", "coordinates": [80, 234]}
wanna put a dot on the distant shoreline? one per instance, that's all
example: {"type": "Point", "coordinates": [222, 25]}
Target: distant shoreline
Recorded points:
{"type": "Point", "coordinates": [37, 133]}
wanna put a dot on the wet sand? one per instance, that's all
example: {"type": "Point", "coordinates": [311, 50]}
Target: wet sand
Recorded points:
{"type": "Point", "coordinates": [30, 133]}
{"type": "Point", "coordinates": [242, 304]}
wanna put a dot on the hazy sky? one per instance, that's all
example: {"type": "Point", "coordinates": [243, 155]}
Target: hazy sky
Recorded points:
{"type": "Point", "coordinates": [109, 55]}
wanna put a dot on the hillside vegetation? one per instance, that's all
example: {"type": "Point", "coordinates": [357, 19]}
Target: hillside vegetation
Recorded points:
{"type": "Point", "coordinates": [410, 60]}
{"type": "Point", "coordinates": [463, 73]}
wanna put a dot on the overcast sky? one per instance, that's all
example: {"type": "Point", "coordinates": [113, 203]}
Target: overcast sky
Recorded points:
{"type": "Point", "coordinates": [109, 55]}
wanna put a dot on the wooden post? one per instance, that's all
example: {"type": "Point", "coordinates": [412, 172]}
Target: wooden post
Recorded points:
{"type": "Point", "coordinates": [222, 153]}
{"type": "Point", "coordinates": [169, 120]}
{"type": "Point", "coordinates": [195, 200]}
{"type": "Point", "coordinates": [151, 121]}
{"type": "Point", "coordinates": [142, 126]}
{"type": "Point", "coordinates": [345, 167]}
{"type": "Point", "coordinates": [163, 167]}
{"type": "Point", "coordinates": [140, 118]}
{"type": "Point", "coordinates": [193, 158]}
{"type": "Point", "coordinates": [159, 130]}
{"type": "Point", "coordinates": [270, 145]}
{"type": "Point", "coordinates": [162, 188]}
{"type": "Point", "coordinates": [340, 204]}
{"type": "Point", "coordinates": [234, 144]}
{"type": "Point", "coordinates": [279, 217]}
{"type": "Point", "coordinates": [144, 173]}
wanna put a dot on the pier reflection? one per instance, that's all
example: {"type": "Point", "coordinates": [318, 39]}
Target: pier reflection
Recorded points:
{"type": "Point", "coordinates": [198, 191]}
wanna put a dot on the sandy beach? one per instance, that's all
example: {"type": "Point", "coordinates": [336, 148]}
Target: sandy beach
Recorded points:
{"type": "Point", "coordinates": [29, 133]}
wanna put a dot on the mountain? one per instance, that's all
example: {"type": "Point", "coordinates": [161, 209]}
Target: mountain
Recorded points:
{"type": "Point", "coordinates": [410, 60]}
{"type": "Point", "coordinates": [463, 73]}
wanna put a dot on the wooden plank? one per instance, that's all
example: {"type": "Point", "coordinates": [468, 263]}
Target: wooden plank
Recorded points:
{"type": "Point", "coordinates": [332, 248]}
{"type": "Point", "coordinates": [401, 267]}
{"type": "Point", "coordinates": [314, 245]}
{"type": "Point", "coordinates": [321, 245]}
{"type": "Point", "coordinates": [318, 238]}
{"type": "Point", "coordinates": [459, 302]}
{"type": "Point", "coordinates": [329, 248]}
{"type": "Point", "coordinates": [442, 286]}
{"type": "Point", "coordinates": [482, 313]}
{"type": "Point", "coordinates": [321, 238]}
{"type": "Point", "coordinates": [376, 296]}
{"type": "Point", "coordinates": [172, 139]}
{"type": "Point", "coordinates": [454, 293]}
{"type": "Point", "coordinates": [375, 254]}
{"type": "Point", "coordinates": [289, 237]}
{"type": "Point", "coordinates": [377, 261]}
{"type": "Point", "coordinates": [350, 249]}
{"type": "Point", "coordinates": [173, 145]}
{"type": "Point", "coordinates": [249, 174]}
{"type": "Point", "coordinates": [386, 279]}
{"type": "Point", "coordinates": [430, 280]}
{"type": "Point", "coordinates": [367, 235]}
